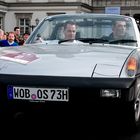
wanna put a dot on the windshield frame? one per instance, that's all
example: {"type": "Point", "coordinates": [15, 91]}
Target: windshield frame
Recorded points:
{"type": "Point", "coordinates": [52, 21]}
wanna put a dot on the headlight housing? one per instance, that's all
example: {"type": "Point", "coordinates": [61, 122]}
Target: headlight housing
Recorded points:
{"type": "Point", "coordinates": [131, 67]}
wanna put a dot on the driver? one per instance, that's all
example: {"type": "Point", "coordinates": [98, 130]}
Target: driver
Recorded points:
{"type": "Point", "coordinates": [70, 30]}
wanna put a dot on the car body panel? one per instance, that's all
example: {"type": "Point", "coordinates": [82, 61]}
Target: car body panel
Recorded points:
{"type": "Point", "coordinates": [68, 64]}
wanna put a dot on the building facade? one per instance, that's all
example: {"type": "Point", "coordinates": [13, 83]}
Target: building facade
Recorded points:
{"type": "Point", "coordinates": [124, 7]}
{"type": "Point", "coordinates": [27, 13]}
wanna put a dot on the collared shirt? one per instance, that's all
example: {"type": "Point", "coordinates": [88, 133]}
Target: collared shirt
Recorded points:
{"type": "Point", "coordinates": [6, 43]}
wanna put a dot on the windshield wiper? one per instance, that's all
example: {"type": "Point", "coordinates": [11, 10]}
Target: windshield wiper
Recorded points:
{"type": "Point", "coordinates": [122, 41]}
{"type": "Point", "coordinates": [93, 40]}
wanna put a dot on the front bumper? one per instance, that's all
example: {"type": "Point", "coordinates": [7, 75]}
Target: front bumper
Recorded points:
{"type": "Point", "coordinates": [84, 93]}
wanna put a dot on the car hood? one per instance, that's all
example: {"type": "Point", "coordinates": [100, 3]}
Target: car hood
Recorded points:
{"type": "Point", "coordinates": [64, 60]}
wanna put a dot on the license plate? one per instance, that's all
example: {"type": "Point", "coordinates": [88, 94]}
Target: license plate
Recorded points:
{"type": "Point", "coordinates": [38, 94]}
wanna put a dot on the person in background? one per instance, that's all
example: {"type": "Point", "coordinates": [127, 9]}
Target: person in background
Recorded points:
{"type": "Point", "coordinates": [9, 41]}
{"type": "Point", "coordinates": [2, 35]}
{"type": "Point", "coordinates": [5, 35]}
{"type": "Point", "coordinates": [138, 24]}
{"type": "Point", "coordinates": [18, 37]}
{"type": "Point", "coordinates": [25, 37]}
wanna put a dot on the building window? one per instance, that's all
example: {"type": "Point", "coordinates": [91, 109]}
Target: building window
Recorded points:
{"type": "Point", "coordinates": [115, 1]}
{"type": "Point", "coordinates": [24, 25]}
{"type": "Point", "coordinates": [24, 21]}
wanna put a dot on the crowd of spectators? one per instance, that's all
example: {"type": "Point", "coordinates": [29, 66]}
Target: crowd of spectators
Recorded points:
{"type": "Point", "coordinates": [13, 38]}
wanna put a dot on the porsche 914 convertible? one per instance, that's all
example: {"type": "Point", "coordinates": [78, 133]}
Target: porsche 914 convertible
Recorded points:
{"type": "Point", "coordinates": [94, 70]}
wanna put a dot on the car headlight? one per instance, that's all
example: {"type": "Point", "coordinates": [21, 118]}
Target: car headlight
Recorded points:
{"type": "Point", "coordinates": [114, 93]}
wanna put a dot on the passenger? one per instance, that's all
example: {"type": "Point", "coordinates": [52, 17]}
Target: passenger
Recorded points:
{"type": "Point", "coordinates": [119, 31]}
{"type": "Point", "coordinates": [9, 41]}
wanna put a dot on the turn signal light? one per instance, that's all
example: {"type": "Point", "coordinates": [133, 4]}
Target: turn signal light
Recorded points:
{"type": "Point", "coordinates": [131, 66]}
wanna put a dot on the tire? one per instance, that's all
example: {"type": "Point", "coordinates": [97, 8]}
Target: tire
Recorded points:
{"type": "Point", "coordinates": [133, 114]}
{"type": "Point", "coordinates": [137, 108]}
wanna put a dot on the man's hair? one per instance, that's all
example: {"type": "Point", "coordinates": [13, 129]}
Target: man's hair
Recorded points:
{"type": "Point", "coordinates": [11, 32]}
{"type": "Point", "coordinates": [16, 28]}
{"type": "Point", "coordinates": [26, 33]}
{"type": "Point", "coordinates": [115, 21]}
{"type": "Point", "coordinates": [69, 22]}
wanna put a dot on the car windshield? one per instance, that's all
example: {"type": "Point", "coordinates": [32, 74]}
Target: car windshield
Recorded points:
{"type": "Point", "coordinates": [90, 28]}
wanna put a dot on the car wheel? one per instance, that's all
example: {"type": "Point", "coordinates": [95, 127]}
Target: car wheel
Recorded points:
{"type": "Point", "coordinates": [133, 113]}
{"type": "Point", "coordinates": [137, 108]}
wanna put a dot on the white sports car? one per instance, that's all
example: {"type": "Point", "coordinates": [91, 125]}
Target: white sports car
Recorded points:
{"type": "Point", "coordinates": [53, 75]}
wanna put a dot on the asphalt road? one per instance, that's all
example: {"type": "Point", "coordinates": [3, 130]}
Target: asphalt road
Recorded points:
{"type": "Point", "coordinates": [46, 131]}
{"type": "Point", "coordinates": [52, 129]}
{"type": "Point", "coordinates": [65, 131]}
{"type": "Point", "coordinates": [113, 132]}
